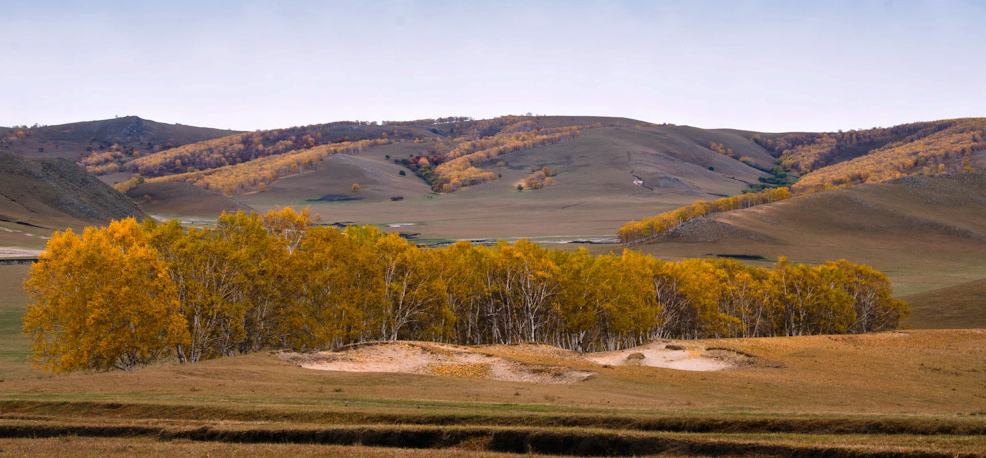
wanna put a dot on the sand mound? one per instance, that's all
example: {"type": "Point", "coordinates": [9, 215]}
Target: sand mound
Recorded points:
{"type": "Point", "coordinates": [671, 355]}
{"type": "Point", "coordinates": [434, 359]}
{"type": "Point", "coordinates": [513, 362]}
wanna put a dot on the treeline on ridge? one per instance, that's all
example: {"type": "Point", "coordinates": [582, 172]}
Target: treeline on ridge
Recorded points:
{"type": "Point", "coordinates": [831, 160]}
{"type": "Point", "coordinates": [129, 294]}
{"type": "Point", "coordinates": [258, 174]}
{"type": "Point", "coordinates": [880, 154]}
{"type": "Point", "coordinates": [458, 161]}
{"type": "Point", "coordinates": [460, 150]}
{"type": "Point", "coordinates": [946, 147]}
{"type": "Point", "coordinates": [649, 228]}
{"type": "Point", "coordinates": [241, 148]}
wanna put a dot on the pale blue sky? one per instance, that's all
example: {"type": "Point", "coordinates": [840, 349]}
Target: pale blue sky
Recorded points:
{"type": "Point", "coordinates": [756, 65]}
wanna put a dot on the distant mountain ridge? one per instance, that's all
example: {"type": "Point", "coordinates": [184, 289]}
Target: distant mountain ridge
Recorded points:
{"type": "Point", "coordinates": [75, 141]}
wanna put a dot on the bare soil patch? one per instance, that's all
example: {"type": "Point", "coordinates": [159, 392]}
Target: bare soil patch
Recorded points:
{"type": "Point", "coordinates": [435, 359]}
{"type": "Point", "coordinates": [675, 355]}
{"type": "Point", "coordinates": [497, 364]}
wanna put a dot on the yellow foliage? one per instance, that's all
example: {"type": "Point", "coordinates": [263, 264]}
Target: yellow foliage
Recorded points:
{"type": "Point", "coordinates": [101, 301]}
{"type": "Point", "coordinates": [649, 228]}
{"type": "Point", "coordinates": [131, 294]}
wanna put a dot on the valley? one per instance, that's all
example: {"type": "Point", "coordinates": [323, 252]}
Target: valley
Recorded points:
{"type": "Point", "coordinates": [916, 391]}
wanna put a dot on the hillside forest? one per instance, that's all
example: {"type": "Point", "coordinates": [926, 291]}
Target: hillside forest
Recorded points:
{"type": "Point", "coordinates": [460, 152]}
{"type": "Point", "coordinates": [131, 293]}
{"type": "Point", "coordinates": [832, 160]}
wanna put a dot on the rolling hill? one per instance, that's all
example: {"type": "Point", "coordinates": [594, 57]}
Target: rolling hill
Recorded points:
{"type": "Point", "coordinates": [604, 172]}
{"type": "Point", "coordinates": [899, 392]}
{"type": "Point", "coordinates": [76, 141]}
{"type": "Point", "coordinates": [950, 307]}
{"type": "Point", "coordinates": [925, 232]}
{"type": "Point", "coordinates": [182, 200]}
{"type": "Point", "coordinates": [41, 195]}
{"type": "Point", "coordinates": [593, 188]}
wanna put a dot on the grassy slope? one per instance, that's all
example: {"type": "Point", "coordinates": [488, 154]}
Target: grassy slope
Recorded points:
{"type": "Point", "coordinates": [959, 306]}
{"type": "Point", "coordinates": [14, 348]}
{"type": "Point", "coordinates": [54, 194]}
{"type": "Point", "coordinates": [593, 193]}
{"type": "Point", "coordinates": [69, 141]}
{"type": "Point", "coordinates": [923, 231]}
{"type": "Point", "coordinates": [182, 199]}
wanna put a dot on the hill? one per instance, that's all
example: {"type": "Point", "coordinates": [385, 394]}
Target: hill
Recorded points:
{"type": "Point", "coordinates": [182, 199]}
{"type": "Point", "coordinates": [950, 307]}
{"type": "Point", "coordinates": [125, 136]}
{"type": "Point", "coordinates": [879, 154]}
{"type": "Point", "coordinates": [40, 195]}
{"type": "Point", "coordinates": [592, 193]}
{"type": "Point", "coordinates": [925, 232]}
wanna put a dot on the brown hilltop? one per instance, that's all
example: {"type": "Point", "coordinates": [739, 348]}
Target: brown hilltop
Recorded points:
{"type": "Point", "coordinates": [74, 141]}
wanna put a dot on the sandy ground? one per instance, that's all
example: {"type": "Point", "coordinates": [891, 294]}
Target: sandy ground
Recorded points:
{"type": "Point", "coordinates": [473, 362]}
{"type": "Point", "coordinates": [13, 252]}
{"type": "Point", "coordinates": [434, 359]}
{"type": "Point", "coordinates": [665, 354]}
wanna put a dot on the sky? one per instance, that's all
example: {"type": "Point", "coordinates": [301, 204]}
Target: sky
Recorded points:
{"type": "Point", "coordinates": [769, 66]}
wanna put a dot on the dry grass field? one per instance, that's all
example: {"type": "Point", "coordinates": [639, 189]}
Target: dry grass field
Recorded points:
{"type": "Point", "coordinates": [177, 200]}
{"type": "Point", "coordinates": [919, 392]}
{"type": "Point", "coordinates": [950, 307]}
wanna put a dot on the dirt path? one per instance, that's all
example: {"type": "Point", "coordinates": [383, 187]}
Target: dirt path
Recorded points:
{"type": "Point", "coordinates": [14, 252]}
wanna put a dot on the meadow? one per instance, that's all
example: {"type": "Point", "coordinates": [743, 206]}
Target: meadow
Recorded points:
{"type": "Point", "coordinates": [915, 392]}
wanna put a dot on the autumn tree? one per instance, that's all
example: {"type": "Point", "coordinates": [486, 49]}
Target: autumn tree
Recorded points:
{"type": "Point", "coordinates": [334, 291]}
{"type": "Point", "coordinates": [130, 294]}
{"type": "Point", "coordinates": [101, 301]}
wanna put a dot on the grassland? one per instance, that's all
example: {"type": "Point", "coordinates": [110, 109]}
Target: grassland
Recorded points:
{"type": "Point", "coordinates": [910, 393]}
{"type": "Point", "coordinates": [913, 391]}
{"type": "Point", "coordinates": [921, 231]}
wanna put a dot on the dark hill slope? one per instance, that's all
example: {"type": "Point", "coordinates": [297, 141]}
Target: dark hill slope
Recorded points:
{"type": "Point", "coordinates": [926, 232]}
{"type": "Point", "coordinates": [55, 193]}
{"type": "Point", "coordinates": [951, 307]}
{"type": "Point", "coordinates": [77, 140]}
